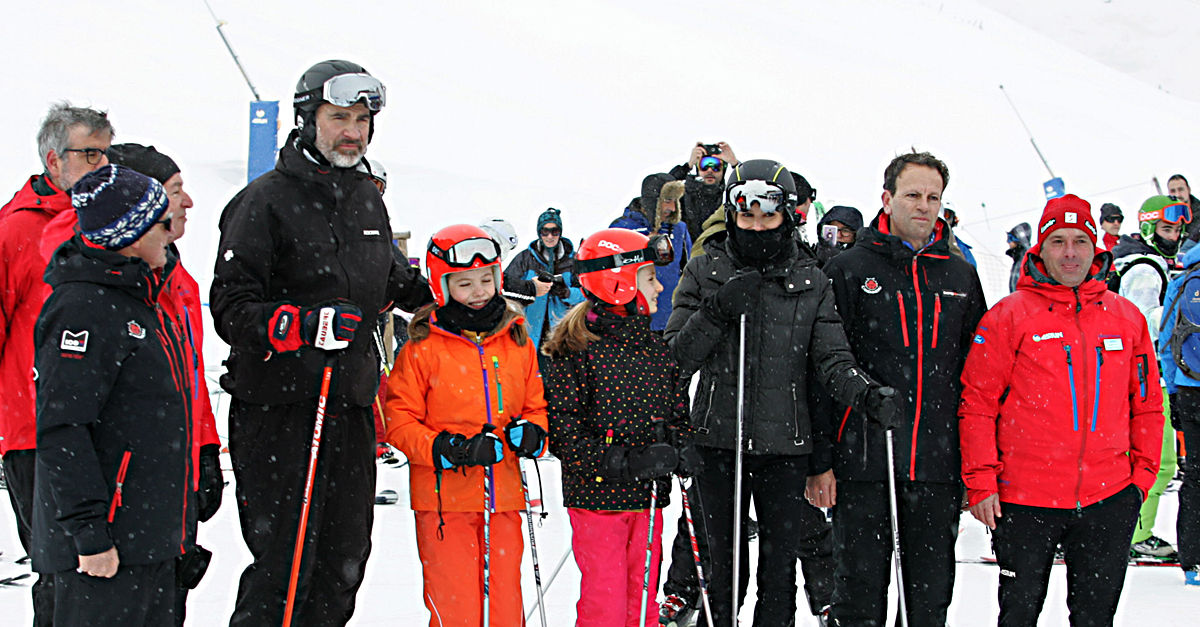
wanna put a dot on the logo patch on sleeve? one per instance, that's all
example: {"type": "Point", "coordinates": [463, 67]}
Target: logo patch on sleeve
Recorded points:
{"type": "Point", "coordinates": [136, 330]}
{"type": "Point", "coordinates": [76, 342]}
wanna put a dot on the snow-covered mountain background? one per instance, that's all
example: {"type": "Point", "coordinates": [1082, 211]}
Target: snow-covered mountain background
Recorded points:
{"type": "Point", "coordinates": [504, 109]}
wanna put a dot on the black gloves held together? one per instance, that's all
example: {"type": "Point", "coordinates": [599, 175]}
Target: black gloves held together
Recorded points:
{"type": "Point", "coordinates": [737, 296]}
{"type": "Point", "coordinates": [640, 463]}
{"type": "Point", "coordinates": [525, 438]}
{"type": "Point", "coordinates": [452, 450]}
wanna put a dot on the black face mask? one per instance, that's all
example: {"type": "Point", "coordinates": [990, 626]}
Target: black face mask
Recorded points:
{"type": "Point", "coordinates": [1166, 247]}
{"type": "Point", "coordinates": [760, 247]}
{"type": "Point", "coordinates": [456, 317]}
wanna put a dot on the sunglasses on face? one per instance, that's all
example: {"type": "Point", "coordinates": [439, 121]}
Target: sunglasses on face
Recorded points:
{"type": "Point", "coordinates": [548, 232]}
{"type": "Point", "coordinates": [711, 163]}
{"type": "Point", "coordinates": [165, 222]}
{"type": "Point", "coordinates": [1114, 219]}
{"type": "Point", "coordinates": [92, 155]}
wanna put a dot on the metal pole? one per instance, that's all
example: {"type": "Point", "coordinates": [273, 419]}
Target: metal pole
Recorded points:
{"type": "Point", "coordinates": [550, 581]}
{"type": "Point", "coordinates": [233, 54]}
{"type": "Point", "coordinates": [737, 473]}
{"type": "Point", "coordinates": [649, 553]}
{"type": "Point", "coordinates": [1027, 132]}
{"type": "Point", "coordinates": [537, 572]}
{"type": "Point", "coordinates": [891, 462]}
{"type": "Point", "coordinates": [687, 514]}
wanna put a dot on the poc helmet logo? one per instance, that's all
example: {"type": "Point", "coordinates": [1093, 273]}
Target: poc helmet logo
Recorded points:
{"type": "Point", "coordinates": [609, 245]}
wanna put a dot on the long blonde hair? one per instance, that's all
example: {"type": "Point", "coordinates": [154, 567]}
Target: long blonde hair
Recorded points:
{"type": "Point", "coordinates": [571, 335]}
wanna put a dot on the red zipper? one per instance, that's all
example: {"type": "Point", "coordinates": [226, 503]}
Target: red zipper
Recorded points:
{"type": "Point", "coordinates": [937, 314]}
{"type": "Point", "coordinates": [843, 427]}
{"type": "Point", "coordinates": [903, 317]}
{"type": "Point", "coordinates": [116, 499]}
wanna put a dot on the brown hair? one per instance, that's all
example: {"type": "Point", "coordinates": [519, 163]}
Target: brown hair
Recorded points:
{"type": "Point", "coordinates": [418, 327]}
{"type": "Point", "coordinates": [896, 167]}
{"type": "Point", "coordinates": [571, 335]}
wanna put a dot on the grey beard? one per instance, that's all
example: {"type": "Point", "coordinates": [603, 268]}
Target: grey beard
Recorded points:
{"type": "Point", "coordinates": [337, 159]}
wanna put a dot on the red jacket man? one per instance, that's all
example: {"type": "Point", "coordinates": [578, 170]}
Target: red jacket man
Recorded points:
{"type": "Point", "coordinates": [1061, 423]}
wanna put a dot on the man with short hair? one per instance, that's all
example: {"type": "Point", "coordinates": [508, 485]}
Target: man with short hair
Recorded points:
{"type": "Point", "coordinates": [71, 143]}
{"type": "Point", "coordinates": [703, 192]}
{"type": "Point", "coordinates": [543, 275]}
{"type": "Point", "coordinates": [1061, 423]}
{"type": "Point", "coordinates": [1111, 219]}
{"type": "Point", "coordinates": [306, 244]}
{"type": "Point", "coordinates": [1178, 187]}
{"type": "Point", "coordinates": [909, 308]}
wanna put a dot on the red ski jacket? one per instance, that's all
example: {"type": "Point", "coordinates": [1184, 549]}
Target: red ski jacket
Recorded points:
{"type": "Point", "coordinates": [22, 292]}
{"type": "Point", "coordinates": [180, 299]}
{"type": "Point", "coordinates": [1061, 402]}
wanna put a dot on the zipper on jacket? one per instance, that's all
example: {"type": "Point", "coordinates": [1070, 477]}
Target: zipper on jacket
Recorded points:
{"type": "Point", "coordinates": [795, 415]}
{"type": "Point", "coordinates": [1071, 380]}
{"type": "Point", "coordinates": [903, 317]}
{"type": "Point", "coordinates": [487, 400]}
{"type": "Point", "coordinates": [845, 417]}
{"type": "Point", "coordinates": [116, 498]}
{"type": "Point", "coordinates": [703, 430]}
{"type": "Point", "coordinates": [937, 314]}
{"type": "Point", "coordinates": [1141, 369]}
{"type": "Point", "coordinates": [499, 390]}
{"type": "Point", "coordinates": [912, 456]}
{"type": "Point", "coordinates": [1096, 399]}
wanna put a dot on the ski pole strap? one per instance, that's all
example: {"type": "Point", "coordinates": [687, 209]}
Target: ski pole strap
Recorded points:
{"type": "Point", "coordinates": [437, 472]}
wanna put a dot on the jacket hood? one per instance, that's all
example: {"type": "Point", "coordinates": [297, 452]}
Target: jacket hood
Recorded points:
{"type": "Point", "coordinates": [1035, 278]}
{"type": "Point", "coordinates": [38, 193]}
{"type": "Point", "coordinates": [849, 216]}
{"type": "Point", "coordinates": [77, 261]}
{"type": "Point", "coordinates": [878, 237]}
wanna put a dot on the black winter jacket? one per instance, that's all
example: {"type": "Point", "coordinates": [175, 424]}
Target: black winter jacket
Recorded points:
{"type": "Point", "coordinates": [623, 381]}
{"type": "Point", "coordinates": [699, 200]}
{"type": "Point", "coordinates": [114, 430]}
{"type": "Point", "coordinates": [305, 233]}
{"type": "Point", "coordinates": [910, 317]}
{"type": "Point", "coordinates": [794, 325]}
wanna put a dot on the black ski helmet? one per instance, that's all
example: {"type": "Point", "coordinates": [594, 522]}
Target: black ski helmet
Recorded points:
{"type": "Point", "coordinates": [310, 90]}
{"type": "Point", "coordinates": [774, 174]}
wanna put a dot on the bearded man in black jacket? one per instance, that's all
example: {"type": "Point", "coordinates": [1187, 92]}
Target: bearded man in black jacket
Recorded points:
{"type": "Point", "coordinates": [308, 237]}
{"type": "Point", "coordinates": [910, 309]}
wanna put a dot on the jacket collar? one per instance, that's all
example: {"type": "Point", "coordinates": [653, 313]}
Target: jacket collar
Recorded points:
{"type": "Point", "coordinates": [878, 237]}
{"type": "Point", "coordinates": [39, 193]}
{"type": "Point", "coordinates": [295, 163]}
{"type": "Point", "coordinates": [1034, 278]}
{"type": "Point", "coordinates": [80, 261]}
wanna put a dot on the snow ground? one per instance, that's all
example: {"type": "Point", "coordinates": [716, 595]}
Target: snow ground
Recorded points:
{"type": "Point", "coordinates": [507, 108]}
{"type": "Point", "coordinates": [391, 593]}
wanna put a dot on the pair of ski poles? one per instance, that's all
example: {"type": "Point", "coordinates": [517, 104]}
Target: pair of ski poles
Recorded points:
{"type": "Point", "coordinates": [737, 493]}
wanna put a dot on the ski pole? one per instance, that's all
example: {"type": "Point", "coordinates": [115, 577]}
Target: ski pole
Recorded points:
{"type": "Point", "coordinates": [891, 462]}
{"type": "Point", "coordinates": [649, 552]}
{"type": "Point", "coordinates": [550, 581]}
{"type": "Point", "coordinates": [537, 572]}
{"type": "Point", "coordinates": [314, 450]}
{"type": "Point", "coordinates": [687, 514]}
{"type": "Point", "coordinates": [487, 546]}
{"type": "Point", "coordinates": [737, 472]}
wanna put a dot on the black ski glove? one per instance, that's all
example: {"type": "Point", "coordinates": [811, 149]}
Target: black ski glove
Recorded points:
{"type": "Point", "coordinates": [1171, 400]}
{"type": "Point", "coordinates": [881, 407]}
{"type": "Point", "coordinates": [212, 483]}
{"type": "Point", "coordinates": [291, 328]}
{"type": "Point", "coordinates": [737, 296]}
{"type": "Point", "coordinates": [525, 438]}
{"type": "Point", "coordinates": [639, 464]}
{"type": "Point", "coordinates": [691, 463]}
{"type": "Point", "coordinates": [451, 450]}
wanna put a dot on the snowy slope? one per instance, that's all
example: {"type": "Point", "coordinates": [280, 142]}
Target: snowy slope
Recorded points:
{"type": "Point", "coordinates": [508, 108]}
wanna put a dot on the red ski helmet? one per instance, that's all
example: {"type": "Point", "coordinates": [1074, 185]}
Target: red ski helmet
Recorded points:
{"type": "Point", "coordinates": [608, 261]}
{"type": "Point", "coordinates": [457, 248]}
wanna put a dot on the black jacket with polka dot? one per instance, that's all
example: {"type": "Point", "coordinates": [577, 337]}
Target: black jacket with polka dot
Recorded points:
{"type": "Point", "coordinates": [610, 395]}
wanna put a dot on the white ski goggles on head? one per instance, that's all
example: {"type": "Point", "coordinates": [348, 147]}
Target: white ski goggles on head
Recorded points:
{"type": "Point", "coordinates": [347, 90]}
{"type": "Point", "coordinates": [464, 253]}
{"type": "Point", "coordinates": [770, 197]}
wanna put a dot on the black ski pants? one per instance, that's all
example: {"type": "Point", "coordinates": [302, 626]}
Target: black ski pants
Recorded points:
{"type": "Point", "coordinates": [137, 596]}
{"type": "Point", "coordinates": [862, 540]}
{"type": "Point", "coordinates": [814, 548]}
{"type": "Point", "coordinates": [1186, 410]}
{"type": "Point", "coordinates": [1095, 542]}
{"type": "Point", "coordinates": [776, 483]}
{"type": "Point", "coordinates": [270, 449]}
{"type": "Point", "coordinates": [18, 473]}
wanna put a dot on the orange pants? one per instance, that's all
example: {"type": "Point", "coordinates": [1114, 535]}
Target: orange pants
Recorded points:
{"type": "Point", "coordinates": [453, 568]}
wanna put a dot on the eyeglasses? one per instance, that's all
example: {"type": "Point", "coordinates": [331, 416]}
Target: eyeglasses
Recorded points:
{"type": "Point", "coordinates": [464, 253]}
{"type": "Point", "coordinates": [92, 155]}
{"type": "Point", "coordinates": [548, 232]}
{"type": "Point", "coordinates": [770, 198]}
{"type": "Point", "coordinates": [658, 251]}
{"type": "Point", "coordinates": [346, 90]}
{"type": "Point", "coordinates": [1114, 219]}
{"type": "Point", "coordinates": [711, 163]}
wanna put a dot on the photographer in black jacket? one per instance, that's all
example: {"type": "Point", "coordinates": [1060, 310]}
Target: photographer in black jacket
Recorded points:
{"type": "Point", "coordinates": [312, 234]}
{"type": "Point", "coordinates": [114, 506]}
{"type": "Point", "coordinates": [757, 271]}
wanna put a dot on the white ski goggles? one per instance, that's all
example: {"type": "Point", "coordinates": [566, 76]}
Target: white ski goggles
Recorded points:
{"type": "Point", "coordinates": [770, 197]}
{"type": "Point", "coordinates": [347, 90]}
{"type": "Point", "coordinates": [464, 253]}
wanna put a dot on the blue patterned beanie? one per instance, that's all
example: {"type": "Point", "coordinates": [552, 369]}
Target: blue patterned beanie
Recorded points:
{"type": "Point", "coordinates": [117, 206]}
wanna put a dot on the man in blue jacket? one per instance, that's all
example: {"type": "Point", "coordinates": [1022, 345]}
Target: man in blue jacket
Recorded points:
{"type": "Point", "coordinates": [657, 212]}
{"type": "Point", "coordinates": [544, 274]}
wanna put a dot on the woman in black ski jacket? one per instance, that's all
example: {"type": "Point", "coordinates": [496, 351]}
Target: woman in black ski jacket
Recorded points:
{"type": "Point", "coordinates": [791, 324]}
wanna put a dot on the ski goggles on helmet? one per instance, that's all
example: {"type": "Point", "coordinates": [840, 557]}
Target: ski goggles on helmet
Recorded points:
{"type": "Point", "coordinates": [711, 163]}
{"type": "Point", "coordinates": [658, 251]}
{"type": "Point", "coordinates": [770, 197]}
{"type": "Point", "coordinates": [346, 90]}
{"type": "Point", "coordinates": [1174, 213]}
{"type": "Point", "coordinates": [463, 254]}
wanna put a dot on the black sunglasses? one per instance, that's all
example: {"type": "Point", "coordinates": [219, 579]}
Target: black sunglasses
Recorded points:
{"type": "Point", "coordinates": [545, 232]}
{"type": "Point", "coordinates": [1114, 219]}
{"type": "Point", "coordinates": [92, 155]}
{"type": "Point", "coordinates": [166, 223]}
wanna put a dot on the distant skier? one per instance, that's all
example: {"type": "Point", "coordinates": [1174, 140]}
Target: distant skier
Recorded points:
{"type": "Point", "coordinates": [705, 189]}
{"type": "Point", "coordinates": [544, 273]}
{"type": "Point", "coordinates": [1018, 245]}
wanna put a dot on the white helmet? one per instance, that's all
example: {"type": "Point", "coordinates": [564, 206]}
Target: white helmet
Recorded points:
{"type": "Point", "coordinates": [500, 230]}
{"type": "Point", "coordinates": [379, 173]}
